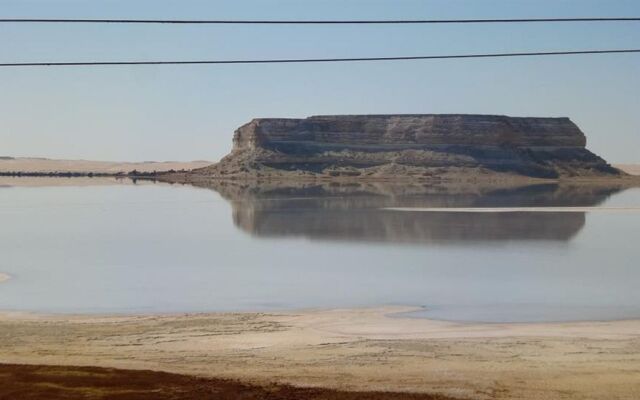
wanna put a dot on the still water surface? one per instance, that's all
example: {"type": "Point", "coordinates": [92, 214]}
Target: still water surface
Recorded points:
{"type": "Point", "coordinates": [118, 247]}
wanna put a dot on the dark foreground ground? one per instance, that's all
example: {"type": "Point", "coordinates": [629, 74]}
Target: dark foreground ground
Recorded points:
{"type": "Point", "coordinates": [58, 382]}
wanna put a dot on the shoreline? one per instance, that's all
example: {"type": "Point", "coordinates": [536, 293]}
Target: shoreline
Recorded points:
{"type": "Point", "coordinates": [198, 180]}
{"type": "Point", "coordinates": [190, 177]}
{"type": "Point", "coordinates": [360, 349]}
{"type": "Point", "coordinates": [4, 277]}
{"type": "Point", "coordinates": [387, 311]}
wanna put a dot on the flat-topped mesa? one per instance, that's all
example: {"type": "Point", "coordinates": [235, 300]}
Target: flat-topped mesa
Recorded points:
{"type": "Point", "coordinates": [422, 146]}
{"type": "Point", "coordinates": [410, 130]}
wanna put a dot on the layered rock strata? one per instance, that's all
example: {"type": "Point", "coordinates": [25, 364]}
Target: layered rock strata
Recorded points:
{"type": "Point", "coordinates": [424, 145]}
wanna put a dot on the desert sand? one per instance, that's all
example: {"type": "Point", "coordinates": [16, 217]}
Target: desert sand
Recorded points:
{"type": "Point", "coordinates": [632, 169]}
{"type": "Point", "coordinates": [45, 165]}
{"type": "Point", "coordinates": [354, 349]}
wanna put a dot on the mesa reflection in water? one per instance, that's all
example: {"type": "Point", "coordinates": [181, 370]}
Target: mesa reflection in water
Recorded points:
{"type": "Point", "coordinates": [356, 212]}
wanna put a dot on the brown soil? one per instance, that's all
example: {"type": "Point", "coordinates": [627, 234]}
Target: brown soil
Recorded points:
{"type": "Point", "coordinates": [58, 382]}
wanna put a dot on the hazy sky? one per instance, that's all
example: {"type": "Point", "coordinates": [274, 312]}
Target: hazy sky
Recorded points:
{"type": "Point", "coordinates": [190, 112]}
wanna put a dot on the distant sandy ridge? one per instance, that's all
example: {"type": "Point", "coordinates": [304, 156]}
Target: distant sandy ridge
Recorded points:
{"type": "Point", "coordinates": [631, 169]}
{"type": "Point", "coordinates": [45, 165]}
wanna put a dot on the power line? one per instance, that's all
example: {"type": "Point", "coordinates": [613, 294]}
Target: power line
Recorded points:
{"type": "Point", "coordinates": [314, 60]}
{"type": "Point", "coordinates": [313, 22]}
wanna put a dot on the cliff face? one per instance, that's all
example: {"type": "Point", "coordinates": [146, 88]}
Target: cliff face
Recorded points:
{"type": "Point", "coordinates": [409, 131]}
{"type": "Point", "coordinates": [410, 145]}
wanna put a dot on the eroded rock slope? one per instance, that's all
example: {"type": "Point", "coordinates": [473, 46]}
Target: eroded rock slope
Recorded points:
{"type": "Point", "coordinates": [422, 146]}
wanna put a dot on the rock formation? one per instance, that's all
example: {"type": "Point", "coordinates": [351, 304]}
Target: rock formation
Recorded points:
{"type": "Point", "coordinates": [426, 146]}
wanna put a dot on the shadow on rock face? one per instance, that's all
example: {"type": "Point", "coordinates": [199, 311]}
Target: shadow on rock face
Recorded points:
{"type": "Point", "coordinates": [357, 212]}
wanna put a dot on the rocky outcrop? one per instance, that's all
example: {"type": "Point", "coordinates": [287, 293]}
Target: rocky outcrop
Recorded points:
{"type": "Point", "coordinates": [426, 146]}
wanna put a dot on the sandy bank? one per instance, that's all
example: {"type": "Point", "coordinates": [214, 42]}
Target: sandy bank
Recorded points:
{"type": "Point", "coordinates": [4, 277]}
{"type": "Point", "coordinates": [362, 349]}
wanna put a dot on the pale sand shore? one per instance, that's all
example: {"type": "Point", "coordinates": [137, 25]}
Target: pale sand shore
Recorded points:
{"type": "Point", "coordinates": [4, 277]}
{"type": "Point", "coordinates": [355, 349]}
